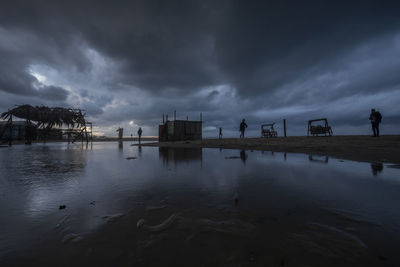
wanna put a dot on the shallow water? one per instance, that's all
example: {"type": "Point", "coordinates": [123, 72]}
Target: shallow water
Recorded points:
{"type": "Point", "coordinates": [157, 206]}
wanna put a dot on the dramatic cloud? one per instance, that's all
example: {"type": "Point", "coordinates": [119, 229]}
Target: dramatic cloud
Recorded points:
{"type": "Point", "coordinates": [125, 61]}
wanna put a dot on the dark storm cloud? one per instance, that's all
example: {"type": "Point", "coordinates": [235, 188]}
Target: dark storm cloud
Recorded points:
{"type": "Point", "coordinates": [279, 55]}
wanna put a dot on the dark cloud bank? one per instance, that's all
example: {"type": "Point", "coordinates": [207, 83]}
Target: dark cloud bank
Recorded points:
{"type": "Point", "coordinates": [128, 61]}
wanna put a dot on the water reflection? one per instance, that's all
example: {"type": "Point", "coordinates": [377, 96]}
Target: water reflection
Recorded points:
{"type": "Point", "coordinates": [140, 151]}
{"type": "Point", "coordinates": [177, 155]}
{"type": "Point", "coordinates": [298, 211]}
{"type": "Point", "coordinates": [40, 165]}
{"type": "Point", "coordinates": [321, 159]}
{"type": "Point", "coordinates": [243, 156]}
{"type": "Point", "coordinates": [376, 168]}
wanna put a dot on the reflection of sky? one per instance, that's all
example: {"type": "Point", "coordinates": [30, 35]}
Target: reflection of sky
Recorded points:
{"type": "Point", "coordinates": [46, 176]}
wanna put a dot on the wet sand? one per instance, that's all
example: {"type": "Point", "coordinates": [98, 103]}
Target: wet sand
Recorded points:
{"type": "Point", "coordinates": [385, 149]}
{"type": "Point", "coordinates": [193, 207]}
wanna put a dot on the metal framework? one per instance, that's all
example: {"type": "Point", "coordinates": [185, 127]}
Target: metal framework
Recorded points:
{"type": "Point", "coordinates": [316, 130]}
{"type": "Point", "coordinates": [267, 130]}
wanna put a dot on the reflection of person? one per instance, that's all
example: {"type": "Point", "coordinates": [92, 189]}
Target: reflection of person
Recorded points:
{"type": "Point", "coordinates": [243, 156]}
{"type": "Point", "coordinates": [243, 127]}
{"type": "Point", "coordinates": [220, 132]}
{"type": "Point", "coordinates": [375, 119]}
{"type": "Point", "coordinates": [140, 151]}
{"type": "Point", "coordinates": [139, 132]}
{"type": "Point", "coordinates": [376, 167]}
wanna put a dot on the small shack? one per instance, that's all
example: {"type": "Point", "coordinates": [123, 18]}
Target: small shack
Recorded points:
{"type": "Point", "coordinates": [180, 130]}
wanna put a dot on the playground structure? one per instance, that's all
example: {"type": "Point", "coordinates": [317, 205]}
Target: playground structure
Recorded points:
{"type": "Point", "coordinates": [316, 130]}
{"type": "Point", "coordinates": [45, 120]}
{"type": "Point", "coordinates": [267, 130]}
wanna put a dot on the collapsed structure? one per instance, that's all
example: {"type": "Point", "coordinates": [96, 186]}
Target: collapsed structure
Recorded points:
{"type": "Point", "coordinates": [44, 122]}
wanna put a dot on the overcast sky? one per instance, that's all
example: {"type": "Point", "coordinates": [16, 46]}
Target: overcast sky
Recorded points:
{"type": "Point", "coordinates": [128, 62]}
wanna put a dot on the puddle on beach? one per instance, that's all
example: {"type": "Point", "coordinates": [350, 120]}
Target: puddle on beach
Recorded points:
{"type": "Point", "coordinates": [148, 206]}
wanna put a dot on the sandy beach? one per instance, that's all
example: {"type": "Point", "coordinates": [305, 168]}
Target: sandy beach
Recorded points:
{"type": "Point", "coordinates": [385, 149]}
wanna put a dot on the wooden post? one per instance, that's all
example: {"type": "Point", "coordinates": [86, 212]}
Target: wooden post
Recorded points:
{"type": "Point", "coordinates": [86, 133]}
{"type": "Point", "coordinates": [284, 127]}
{"type": "Point", "coordinates": [187, 117]}
{"type": "Point", "coordinates": [11, 130]}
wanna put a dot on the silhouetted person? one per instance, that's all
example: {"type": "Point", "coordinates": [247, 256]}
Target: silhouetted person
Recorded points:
{"type": "Point", "coordinates": [220, 132]}
{"type": "Point", "coordinates": [243, 127]}
{"type": "Point", "coordinates": [139, 132]}
{"type": "Point", "coordinates": [120, 133]}
{"type": "Point", "coordinates": [375, 119]}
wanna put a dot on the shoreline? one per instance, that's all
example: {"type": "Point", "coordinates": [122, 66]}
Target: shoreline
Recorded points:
{"type": "Point", "coordinates": [384, 149]}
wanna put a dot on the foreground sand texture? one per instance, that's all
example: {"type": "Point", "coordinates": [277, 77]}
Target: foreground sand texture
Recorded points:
{"type": "Point", "coordinates": [385, 149]}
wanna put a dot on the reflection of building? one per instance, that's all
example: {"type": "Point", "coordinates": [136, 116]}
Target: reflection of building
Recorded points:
{"type": "Point", "coordinates": [17, 132]}
{"type": "Point", "coordinates": [181, 154]}
{"type": "Point", "coordinates": [179, 130]}
{"type": "Point", "coordinates": [20, 130]}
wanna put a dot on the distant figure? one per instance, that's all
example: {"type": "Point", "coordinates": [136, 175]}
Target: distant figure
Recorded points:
{"type": "Point", "coordinates": [243, 127]}
{"type": "Point", "coordinates": [375, 119]}
{"type": "Point", "coordinates": [220, 132]}
{"type": "Point", "coordinates": [120, 133]}
{"type": "Point", "coordinates": [139, 132]}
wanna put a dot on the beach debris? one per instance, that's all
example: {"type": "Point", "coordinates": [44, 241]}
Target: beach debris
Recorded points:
{"type": "Point", "coordinates": [71, 237]}
{"type": "Point", "coordinates": [93, 203]}
{"type": "Point", "coordinates": [151, 208]}
{"type": "Point", "coordinates": [129, 158]}
{"type": "Point", "coordinates": [112, 218]}
{"type": "Point", "coordinates": [62, 207]}
{"type": "Point", "coordinates": [141, 224]}
{"type": "Point", "coordinates": [232, 157]}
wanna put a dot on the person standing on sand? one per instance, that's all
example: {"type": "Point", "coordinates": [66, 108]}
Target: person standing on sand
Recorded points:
{"type": "Point", "coordinates": [243, 127]}
{"type": "Point", "coordinates": [375, 119]}
{"type": "Point", "coordinates": [220, 132]}
{"type": "Point", "coordinates": [139, 132]}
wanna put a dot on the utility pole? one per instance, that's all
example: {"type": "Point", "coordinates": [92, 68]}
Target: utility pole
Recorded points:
{"type": "Point", "coordinates": [284, 127]}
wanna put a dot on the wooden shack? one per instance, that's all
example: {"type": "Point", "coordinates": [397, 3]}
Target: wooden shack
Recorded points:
{"type": "Point", "coordinates": [180, 130]}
